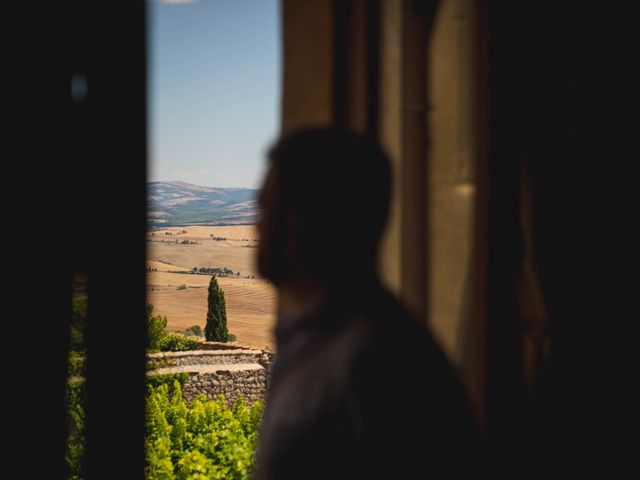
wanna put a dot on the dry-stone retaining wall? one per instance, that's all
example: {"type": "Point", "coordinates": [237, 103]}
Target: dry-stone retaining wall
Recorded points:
{"type": "Point", "coordinates": [232, 372]}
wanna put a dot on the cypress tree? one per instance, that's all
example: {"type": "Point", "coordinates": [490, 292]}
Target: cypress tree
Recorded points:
{"type": "Point", "coordinates": [216, 328]}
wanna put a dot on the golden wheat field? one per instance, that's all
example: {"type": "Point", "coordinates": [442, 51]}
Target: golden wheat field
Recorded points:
{"type": "Point", "coordinates": [232, 247]}
{"type": "Point", "coordinates": [251, 302]}
{"type": "Point", "coordinates": [165, 267]}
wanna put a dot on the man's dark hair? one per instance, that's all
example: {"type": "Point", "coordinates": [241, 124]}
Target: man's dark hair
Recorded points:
{"type": "Point", "coordinates": [337, 186]}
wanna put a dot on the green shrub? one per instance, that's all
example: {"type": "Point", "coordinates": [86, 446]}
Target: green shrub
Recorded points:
{"type": "Point", "coordinates": [164, 362]}
{"type": "Point", "coordinates": [156, 329]}
{"type": "Point", "coordinates": [158, 340]}
{"type": "Point", "coordinates": [204, 440]}
{"type": "Point", "coordinates": [74, 399]}
{"type": "Point", "coordinates": [181, 287]}
{"type": "Point", "coordinates": [77, 364]}
{"type": "Point", "coordinates": [168, 379]}
{"type": "Point", "coordinates": [174, 342]}
{"type": "Point", "coordinates": [78, 324]}
{"type": "Point", "coordinates": [75, 390]}
{"type": "Point", "coordinates": [194, 330]}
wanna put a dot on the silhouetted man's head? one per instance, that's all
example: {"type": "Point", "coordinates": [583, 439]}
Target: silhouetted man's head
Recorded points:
{"type": "Point", "coordinates": [323, 206]}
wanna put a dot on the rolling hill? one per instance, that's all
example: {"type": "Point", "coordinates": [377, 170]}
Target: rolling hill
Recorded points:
{"type": "Point", "coordinates": [181, 203]}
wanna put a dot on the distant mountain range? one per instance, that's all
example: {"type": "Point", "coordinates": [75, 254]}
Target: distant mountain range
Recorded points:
{"type": "Point", "coordinates": [181, 203]}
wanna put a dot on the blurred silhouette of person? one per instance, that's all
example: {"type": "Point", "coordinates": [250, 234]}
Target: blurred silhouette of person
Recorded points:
{"type": "Point", "coordinates": [359, 388]}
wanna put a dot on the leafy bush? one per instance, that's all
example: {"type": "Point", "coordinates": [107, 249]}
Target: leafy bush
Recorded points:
{"type": "Point", "coordinates": [162, 362]}
{"type": "Point", "coordinates": [74, 398]}
{"type": "Point", "coordinates": [204, 440]}
{"type": "Point", "coordinates": [78, 324]}
{"type": "Point", "coordinates": [168, 379]}
{"type": "Point", "coordinates": [156, 329]}
{"type": "Point", "coordinates": [194, 330]}
{"type": "Point", "coordinates": [77, 363]}
{"type": "Point", "coordinates": [181, 287]}
{"type": "Point", "coordinates": [174, 342]}
{"type": "Point", "coordinates": [75, 391]}
{"type": "Point", "coordinates": [158, 340]}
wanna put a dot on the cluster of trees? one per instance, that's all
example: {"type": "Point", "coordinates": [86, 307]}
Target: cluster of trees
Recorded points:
{"type": "Point", "coordinates": [220, 239]}
{"type": "Point", "coordinates": [176, 242]}
{"type": "Point", "coordinates": [220, 272]}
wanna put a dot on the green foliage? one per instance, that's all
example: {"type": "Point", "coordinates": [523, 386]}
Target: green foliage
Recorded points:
{"type": "Point", "coordinates": [74, 399]}
{"type": "Point", "coordinates": [174, 342]}
{"type": "Point", "coordinates": [203, 440]}
{"type": "Point", "coordinates": [156, 329]}
{"type": "Point", "coordinates": [75, 391]}
{"type": "Point", "coordinates": [216, 327]}
{"type": "Point", "coordinates": [218, 272]}
{"type": "Point", "coordinates": [168, 379]}
{"type": "Point", "coordinates": [194, 330]}
{"type": "Point", "coordinates": [78, 324]}
{"type": "Point", "coordinates": [206, 440]}
{"type": "Point", "coordinates": [156, 363]}
{"type": "Point", "coordinates": [231, 337]}
{"type": "Point", "coordinates": [158, 340]}
{"type": "Point", "coordinates": [77, 364]}
{"type": "Point", "coordinates": [181, 287]}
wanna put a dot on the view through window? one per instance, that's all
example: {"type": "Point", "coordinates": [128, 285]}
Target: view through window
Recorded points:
{"type": "Point", "coordinates": [214, 109]}
{"type": "Point", "coordinates": [214, 95]}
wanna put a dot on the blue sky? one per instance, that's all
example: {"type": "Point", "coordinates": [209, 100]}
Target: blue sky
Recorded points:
{"type": "Point", "coordinates": [214, 96]}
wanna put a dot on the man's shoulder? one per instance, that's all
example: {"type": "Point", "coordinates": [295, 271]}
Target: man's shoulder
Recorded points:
{"type": "Point", "coordinates": [386, 339]}
{"type": "Point", "coordinates": [390, 325]}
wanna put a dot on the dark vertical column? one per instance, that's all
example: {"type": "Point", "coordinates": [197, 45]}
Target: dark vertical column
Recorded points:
{"type": "Point", "coordinates": [114, 153]}
{"type": "Point", "coordinates": [413, 260]}
{"type": "Point", "coordinates": [577, 98]}
{"type": "Point", "coordinates": [475, 350]}
{"type": "Point", "coordinates": [38, 186]}
{"type": "Point", "coordinates": [373, 67]}
{"type": "Point", "coordinates": [340, 60]}
{"type": "Point", "coordinates": [504, 248]}
{"type": "Point", "coordinates": [556, 103]}
{"type": "Point", "coordinates": [356, 62]}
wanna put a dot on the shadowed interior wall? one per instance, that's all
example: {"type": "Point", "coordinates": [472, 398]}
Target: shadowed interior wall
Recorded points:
{"type": "Point", "coordinates": [426, 77]}
{"type": "Point", "coordinates": [307, 89]}
{"type": "Point", "coordinates": [451, 173]}
{"type": "Point", "coordinates": [389, 133]}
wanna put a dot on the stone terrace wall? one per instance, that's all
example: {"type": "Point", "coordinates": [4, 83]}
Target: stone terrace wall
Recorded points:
{"type": "Point", "coordinates": [204, 357]}
{"type": "Point", "coordinates": [233, 384]}
{"type": "Point", "coordinates": [234, 373]}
